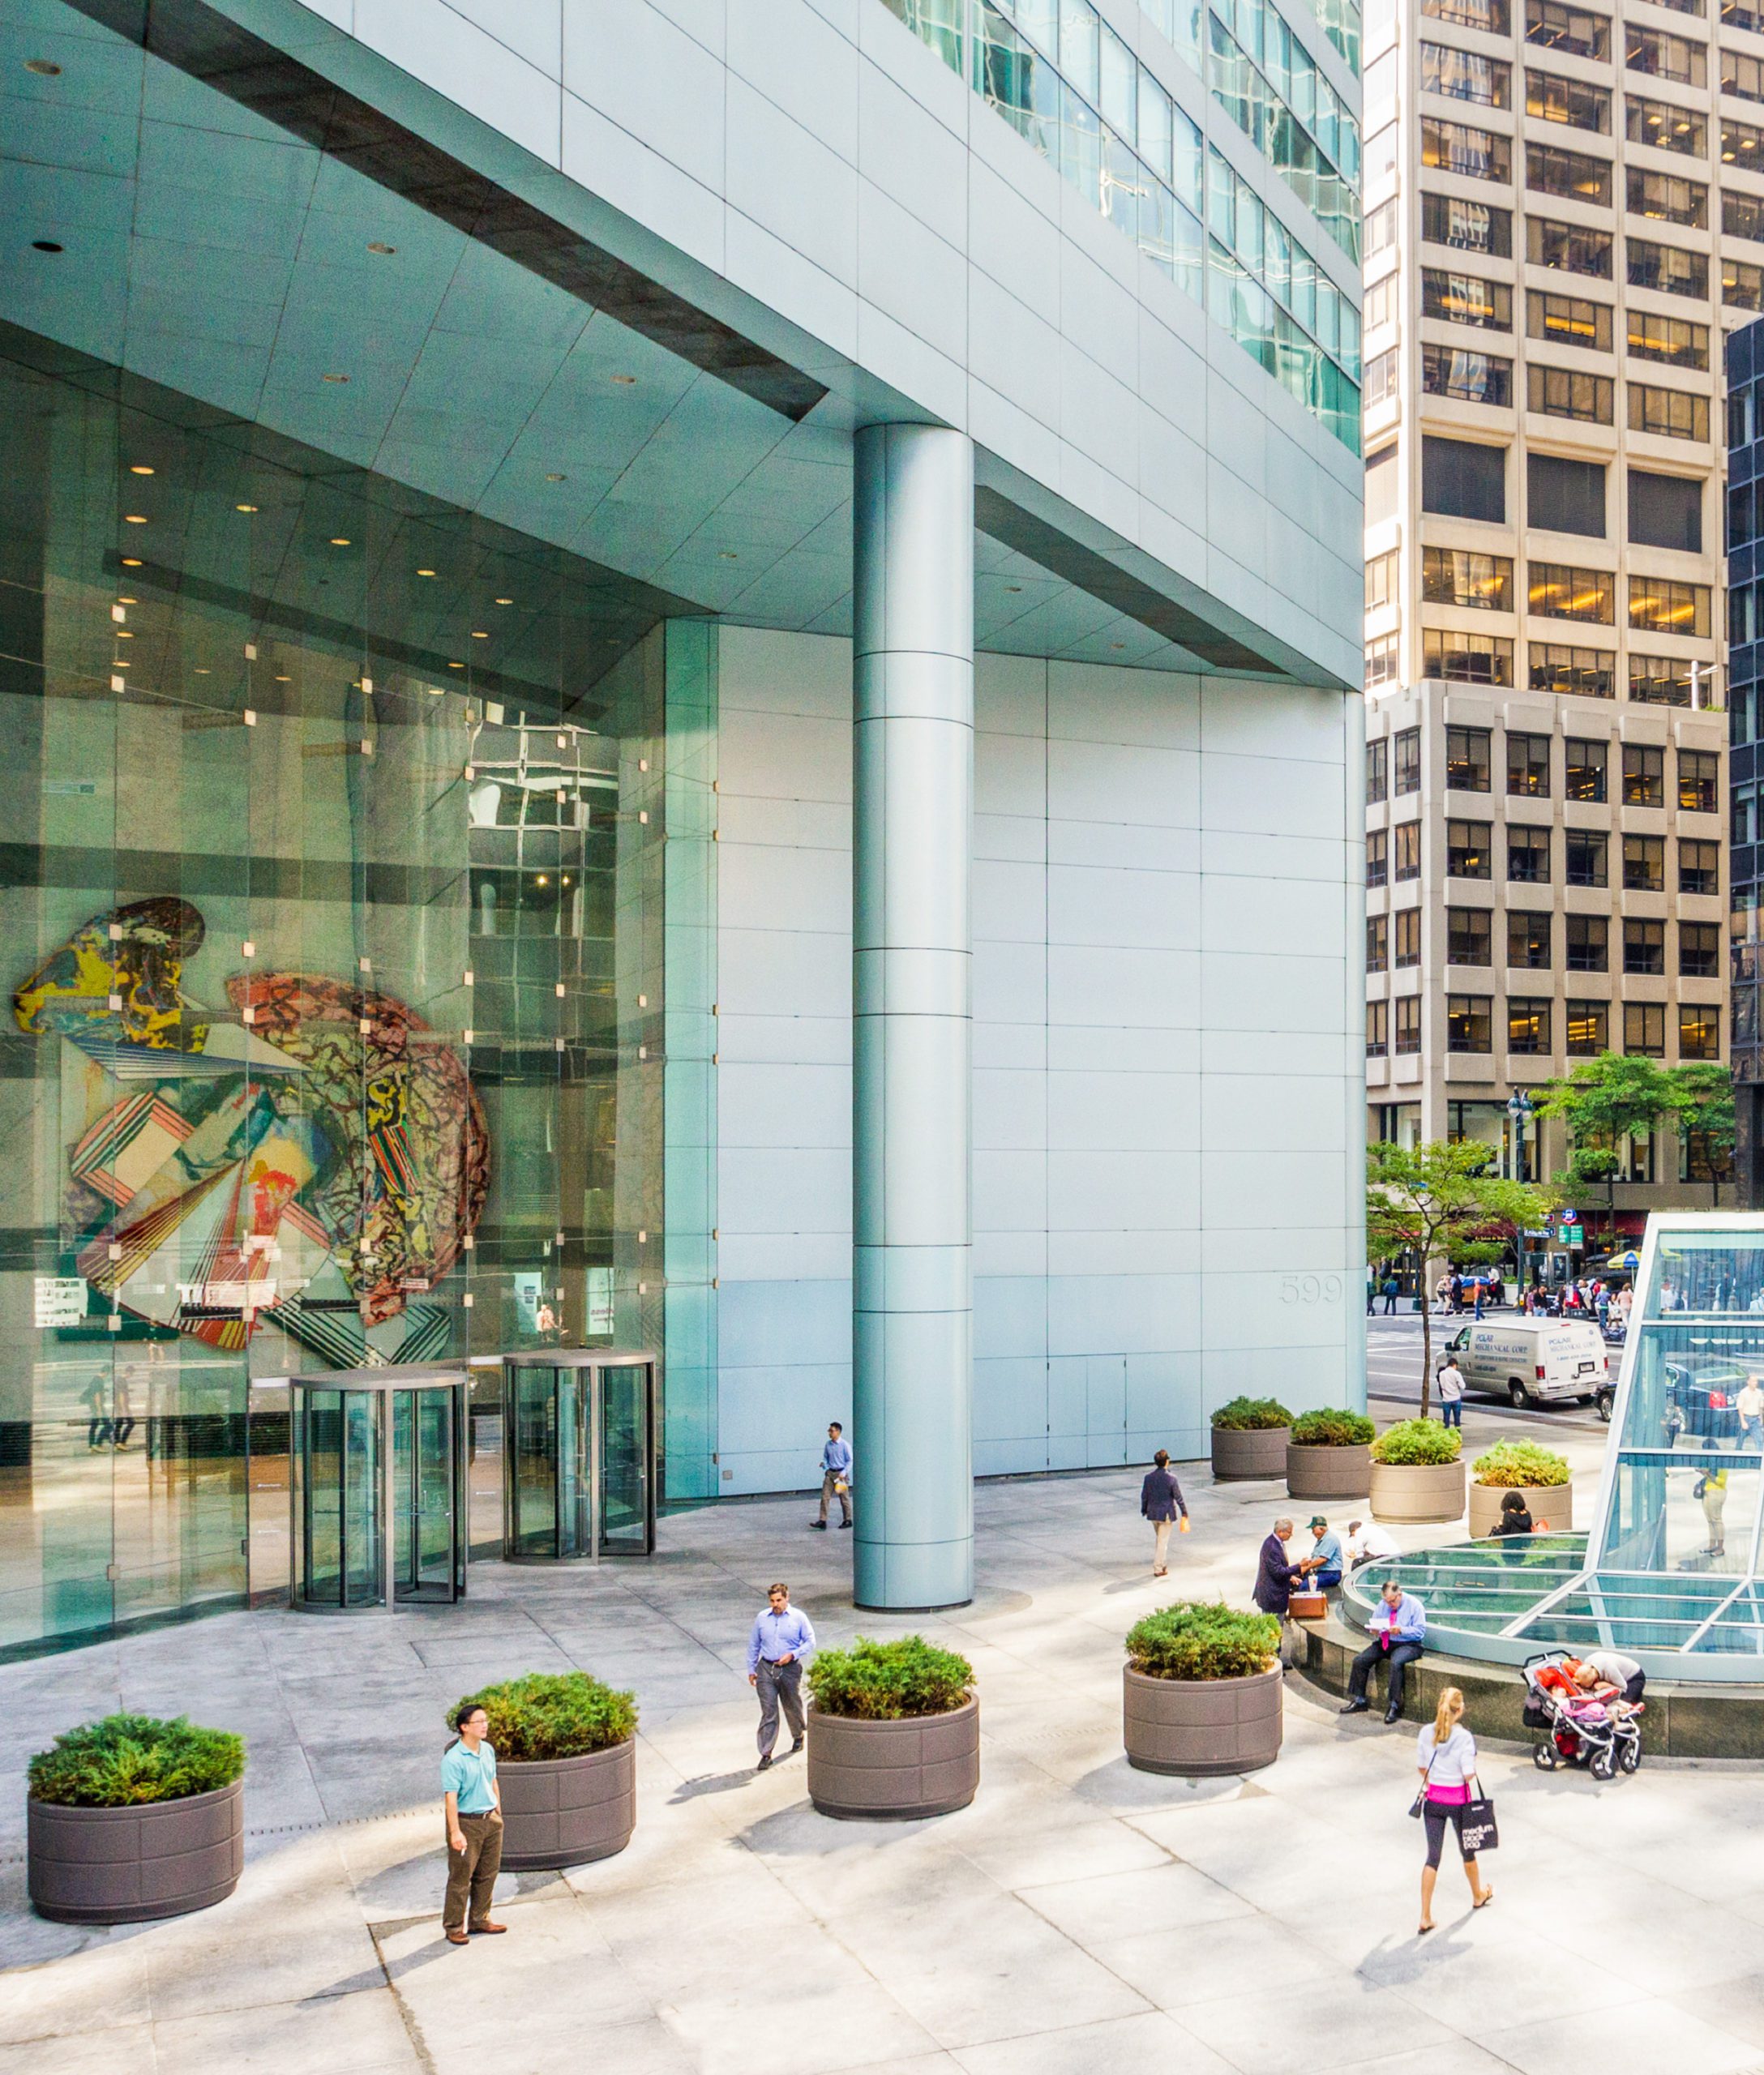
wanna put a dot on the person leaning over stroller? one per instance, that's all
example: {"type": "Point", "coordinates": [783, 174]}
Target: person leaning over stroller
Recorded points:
{"type": "Point", "coordinates": [1399, 1637]}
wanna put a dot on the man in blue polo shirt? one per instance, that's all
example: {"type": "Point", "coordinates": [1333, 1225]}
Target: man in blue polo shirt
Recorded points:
{"type": "Point", "coordinates": [781, 1638]}
{"type": "Point", "coordinates": [474, 1824]}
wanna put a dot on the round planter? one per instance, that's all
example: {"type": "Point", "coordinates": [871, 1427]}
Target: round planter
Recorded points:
{"type": "Point", "coordinates": [1246, 1451]}
{"type": "Point", "coordinates": [892, 1771]}
{"type": "Point", "coordinates": [132, 1865]}
{"type": "Point", "coordinates": [1554, 1502]}
{"type": "Point", "coordinates": [565, 1812]}
{"type": "Point", "coordinates": [1418, 1491]}
{"type": "Point", "coordinates": [1198, 1727]}
{"type": "Point", "coordinates": [1315, 1472]}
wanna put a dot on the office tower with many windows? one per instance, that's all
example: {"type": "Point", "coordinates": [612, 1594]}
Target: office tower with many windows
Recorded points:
{"type": "Point", "coordinates": [1564, 210]}
{"type": "Point", "coordinates": [1745, 713]}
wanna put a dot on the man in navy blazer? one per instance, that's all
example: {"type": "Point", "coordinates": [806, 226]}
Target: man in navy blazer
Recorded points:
{"type": "Point", "coordinates": [1160, 1502]}
{"type": "Point", "coordinates": [1274, 1576]}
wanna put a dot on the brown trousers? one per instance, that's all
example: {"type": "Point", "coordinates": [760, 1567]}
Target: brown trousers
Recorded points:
{"type": "Point", "coordinates": [473, 1870]}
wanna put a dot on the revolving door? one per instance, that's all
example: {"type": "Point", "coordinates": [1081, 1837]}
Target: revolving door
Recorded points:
{"type": "Point", "coordinates": [377, 1484]}
{"type": "Point", "coordinates": [580, 1454]}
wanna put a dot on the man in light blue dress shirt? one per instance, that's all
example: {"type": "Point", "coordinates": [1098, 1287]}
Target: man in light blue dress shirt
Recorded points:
{"type": "Point", "coordinates": [781, 1638]}
{"type": "Point", "coordinates": [835, 1474]}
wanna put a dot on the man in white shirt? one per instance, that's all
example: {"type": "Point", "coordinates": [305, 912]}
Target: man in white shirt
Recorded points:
{"type": "Point", "coordinates": [1451, 1384]}
{"type": "Point", "coordinates": [1365, 1540]}
{"type": "Point", "coordinates": [1749, 1405]}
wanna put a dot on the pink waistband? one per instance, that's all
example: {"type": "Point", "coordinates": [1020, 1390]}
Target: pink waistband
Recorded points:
{"type": "Point", "coordinates": [1450, 1797]}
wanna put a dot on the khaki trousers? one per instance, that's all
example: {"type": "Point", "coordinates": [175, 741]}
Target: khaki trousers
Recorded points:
{"type": "Point", "coordinates": [827, 1483]}
{"type": "Point", "coordinates": [473, 1870]}
{"type": "Point", "coordinates": [1160, 1550]}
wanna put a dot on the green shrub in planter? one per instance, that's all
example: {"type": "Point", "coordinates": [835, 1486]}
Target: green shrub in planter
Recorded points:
{"type": "Point", "coordinates": [553, 1714]}
{"type": "Point", "coordinates": [1244, 1415]}
{"type": "Point", "coordinates": [1203, 1639]}
{"type": "Point", "coordinates": [1329, 1428]}
{"type": "Point", "coordinates": [889, 1682]}
{"type": "Point", "coordinates": [1411, 1442]}
{"type": "Point", "coordinates": [125, 1761]}
{"type": "Point", "coordinates": [1521, 1465]}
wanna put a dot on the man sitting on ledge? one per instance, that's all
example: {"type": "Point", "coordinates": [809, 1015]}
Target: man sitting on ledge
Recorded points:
{"type": "Point", "coordinates": [1398, 1637]}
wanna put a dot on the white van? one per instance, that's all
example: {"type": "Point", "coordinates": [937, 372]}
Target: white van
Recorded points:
{"type": "Point", "coordinates": [1534, 1361]}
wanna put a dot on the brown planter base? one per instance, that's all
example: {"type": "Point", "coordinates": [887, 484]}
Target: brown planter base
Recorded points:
{"type": "Point", "coordinates": [1241, 1452]}
{"type": "Point", "coordinates": [1315, 1472]}
{"type": "Point", "coordinates": [568, 1811]}
{"type": "Point", "coordinates": [893, 1771]}
{"type": "Point", "coordinates": [1554, 1502]}
{"type": "Point", "coordinates": [133, 1865]}
{"type": "Point", "coordinates": [1198, 1728]}
{"type": "Point", "coordinates": [1418, 1491]}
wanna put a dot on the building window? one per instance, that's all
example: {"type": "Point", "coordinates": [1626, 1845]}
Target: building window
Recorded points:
{"type": "Point", "coordinates": [1381, 660]}
{"type": "Point", "coordinates": [1569, 248]}
{"type": "Point", "coordinates": [1569, 393]}
{"type": "Point", "coordinates": [1377, 943]}
{"type": "Point", "coordinates": [1458, 147]}
{"type": "Point", "coordinates": [1467, 940]}
{"type": "Point", "coordinates": [1467, 377]}
{"type": "Point", "coordinates": [1699, 1031]}
{"type": "Point", "coordinates": [1637, 1153]}
{"type": "Point", "coordinates": [1377, 771]}
{"type": "Point", "coordinates": [1381, 233]}
{"type": "Point", "coordinates": [1377, 1029]}
{"type": "Point", "coordinates": [1699, 868]}
{"type": "Point", "coordinates": [1568, 320]}
{"type": "Point", "coordinates": [1408, 1008]}
{"type": "Point", "coordinates": [1742, 215]}
{"type": "Point", "coordinates": [1668, 198]}
{"type": "Point", "coordinates": [1460, 576]}
{"type": "Point", "coordinates": [1381, 580]}
{"type": "Point", "coordinates": [1584, 852]}
{"type": "Point", "coordinates": [1464, 76]}
{"type": "Point", "coordinates": [1408, 760]}
{"type": "Point", "coordinates": [1699, 773]}
{"type": "Point", "coordinates": [1742, 619]}
{"type": "Point", "coordinates": [1586, 1028]}
{"type": "Point", "coordinates": [1381, 303]}
{"type": "Point", "coordinates": [1644, 1029]}
{"type": "Point", "coordinates": [1667, 413]}
{"type": "Point", "coordinates": [1699, 951]}
{"type": "Point", "coordinates": [1577, 673]}
{"type": "Point", "coordinates": [1673, 342]}
{"type": "Point", "coordinates": [1644, 869]}
{"type": "Point", "coordinates": [1572, 30]}
{"type": "Point", "coordinates": [1563, 496]}
{"type": "Point", "coordinates": [1461, 658]}
{"type": "Point", "coordinates": [1528, 941]}
{"type": "Point", "coordinates": [1528, 766]}
{"type": "Point", "coordinates": [1644, 775]}
{"type": "Point", "coordinates": [1407, 834]}
{"type": "Point", "coordinates": [1528, 1025]}
{"type": "Point", "coordinates": [1662, 680]}
{"type": "Point", "coordinates": [1743, 822]}
{"type": "Point", "coordinates": [1466, 849]}
{"type": "Point", "coordinates": [1588, 938]}
{"type": "Point", "coordinates": [1571, 101]}
{"type": "Point", "coordinates": [1408, 937]}
{"type": "Point", "coordinates": [1665, 126]}
{"type": "Point", "coordinates": [1469, 1023]}
{"type": "Point", "coordinates": [1666, 511]}
{"type": "Point", "coordinates": [1382, 379]}
{"type": "Point", "coordinates": [1461, 479]}
{"type": "Point", "coordinates": [1742, 285]}
{"type": "Point", "coordinates": [1668, 268]}
{"type": "Point", "coordinates": [1663, 57]}
{"type": "Point", "coordinates": [1585, 765]}
{"type": "Point", "coordinates": [1644, 942]}
{"type": "Point", "coordinates": [1555, 591]}
{"type": "Point", "coordinates": [1491, 16]}
{"type": "Point", "coordinates": [1528, 855]}
{"type": "Point", "coordinates": [1467, 226]}
{"type": "Point", "coordinates": [1700, 1159]}
{"type": "Point", "coordinates": [1466, 299]}
{"type": "Point", "coordinates": [1378, 857]}
{"type": "Point", "coordinates": [1466, 759]}
{"type": "Point", "coordinates": [1742, 145]}
{"type": "Point", "coordinates": [1660, 606]}
{"type": "Point", "coordinates": [1741, 531]}
{"type": "Point", "coordinates": [1572, 175]}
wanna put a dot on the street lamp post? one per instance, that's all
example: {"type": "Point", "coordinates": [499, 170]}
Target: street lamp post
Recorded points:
{"type": "Point", "coordinates": [1519, 1114]}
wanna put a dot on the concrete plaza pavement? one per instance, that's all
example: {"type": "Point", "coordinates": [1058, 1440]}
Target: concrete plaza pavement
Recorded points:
{"type": "Point", "coordinates": [1079, 1915]}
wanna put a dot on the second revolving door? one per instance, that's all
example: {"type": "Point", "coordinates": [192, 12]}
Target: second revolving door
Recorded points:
{"type": "Point", "coordinates": [580, 1454]}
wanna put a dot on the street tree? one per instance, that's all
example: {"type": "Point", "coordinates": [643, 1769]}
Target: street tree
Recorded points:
{"type": "Point", "coordinates": [1603, 1101]}
{"type": "Point", "coordinates": [1441, 1199]}
{"type": "Point", "coordinates": [1705, 1106]}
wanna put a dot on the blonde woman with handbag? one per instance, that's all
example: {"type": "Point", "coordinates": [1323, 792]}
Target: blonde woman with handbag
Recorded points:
{"type": "Point", "coordinates": [1446, 1756]}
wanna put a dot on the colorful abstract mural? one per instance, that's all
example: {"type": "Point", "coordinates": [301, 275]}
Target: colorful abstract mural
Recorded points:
{"type": "Point", "coordinates": [310, 1152]}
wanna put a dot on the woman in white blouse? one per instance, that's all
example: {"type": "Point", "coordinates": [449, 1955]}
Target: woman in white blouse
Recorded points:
{"type": "Point", "coordinates": [1446, 1752]}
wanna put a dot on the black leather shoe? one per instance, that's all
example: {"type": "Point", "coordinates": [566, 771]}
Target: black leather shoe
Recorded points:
{"type": "Point", "coordinates": [845, 1523]}
{"type": "Point", "coordinates": [1354, 1707]}
{"type": "Point", "coordinates": [1393, 1715]}
{"type": "Point", "coordinates": [821, 1524]}
{"type": "Point", "coordinates": [796, 1747]}
{"type": "Point", "coordinates": [764, 1765]}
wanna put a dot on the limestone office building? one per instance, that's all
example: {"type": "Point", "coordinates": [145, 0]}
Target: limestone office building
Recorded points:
{"type": "Point", "coordinates": [681, 675]}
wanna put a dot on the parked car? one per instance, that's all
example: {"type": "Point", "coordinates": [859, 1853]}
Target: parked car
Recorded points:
{"type": "Point", "coordinates": [1699, 1399]}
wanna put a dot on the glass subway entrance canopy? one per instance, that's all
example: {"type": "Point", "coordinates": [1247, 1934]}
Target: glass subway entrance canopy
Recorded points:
{"type": "Point", "coordinates": [1671, 1571]}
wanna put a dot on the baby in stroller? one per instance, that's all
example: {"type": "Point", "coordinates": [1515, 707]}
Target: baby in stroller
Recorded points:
{"type": "Point", "coordinates": [1590, 1725]}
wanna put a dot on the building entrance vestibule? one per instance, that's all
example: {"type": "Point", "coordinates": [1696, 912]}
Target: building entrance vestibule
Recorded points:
{"type": "Point", "coordinates": [579, 1455]}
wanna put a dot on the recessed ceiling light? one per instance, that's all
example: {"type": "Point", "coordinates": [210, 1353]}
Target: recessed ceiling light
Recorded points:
{"type": "Point", "coordinates": [44, 244]}
{"type": "Point", "coordinates": [425, 572]}
{"type": "Point", "coordinates": [135, 518]}
{"type": "Point", "coordinates": [555, 479]}
{"type": "Point", "coordinates": [131, 561]}
{"type": "Point", "coordinates": [455, 666]}
{"type": "Point", "coordinates": [202, 673]}
{"type": "Point", "coordinates": [245, 507]}
{"type": "Point", "coordinates": [123, 599]}
{"type": "Point", "coordinates": [284, 680]}
{"type": "Point", "coordinates": [340, 540]}
{"type": "Point", "coordinates": [334, 378]}
{"type": "Point", "coordinates": [123, 634]}
{"type": "Point", "coordinates": [625, 381]}
{"type": "Point", "coordinates": [505, 601]}
{"type": "Point", "coordinates": [45, 68]}
{"type": "Point", "coordinates": [140, 468]}
{"type": "Point", "coordinates": [374, 245]}
{"type": "Point", "coordinates": [480, 634]}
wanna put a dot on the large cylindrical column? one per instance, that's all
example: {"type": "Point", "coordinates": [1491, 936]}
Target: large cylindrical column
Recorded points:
{"type": "Point", "coordinates": [912, 1017]}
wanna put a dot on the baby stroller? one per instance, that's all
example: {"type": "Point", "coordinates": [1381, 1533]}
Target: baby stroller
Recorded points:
{"type": "Point", "coordinates": [1606, 1738]}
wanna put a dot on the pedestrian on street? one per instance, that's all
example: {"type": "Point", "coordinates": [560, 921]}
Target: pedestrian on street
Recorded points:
{"type": "Point", "coordinates": [781, 1638]}
{"type": "Point", "coordinates": [1451, 1383]}
{"type": "Point", "coordinates": [473, 1805]}
{"type": "Point", "coordinates": [1398, 1638]}
{"type": "Point", "coordinates": [835, 1475]}
{"type": "Point", "coordinates": [1749, 1405]}
{"type": "Point", "coordinates": [1392, 1287]}
{"type": "Point", "coordinates": [1371, 1289]}
{"type": "Point", "coordinates": [1161, 1502]}
{"type": "Point", "coordinates": [1446, 1756]}
{"type": "Point", "coordinates": [1274, 1576]}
